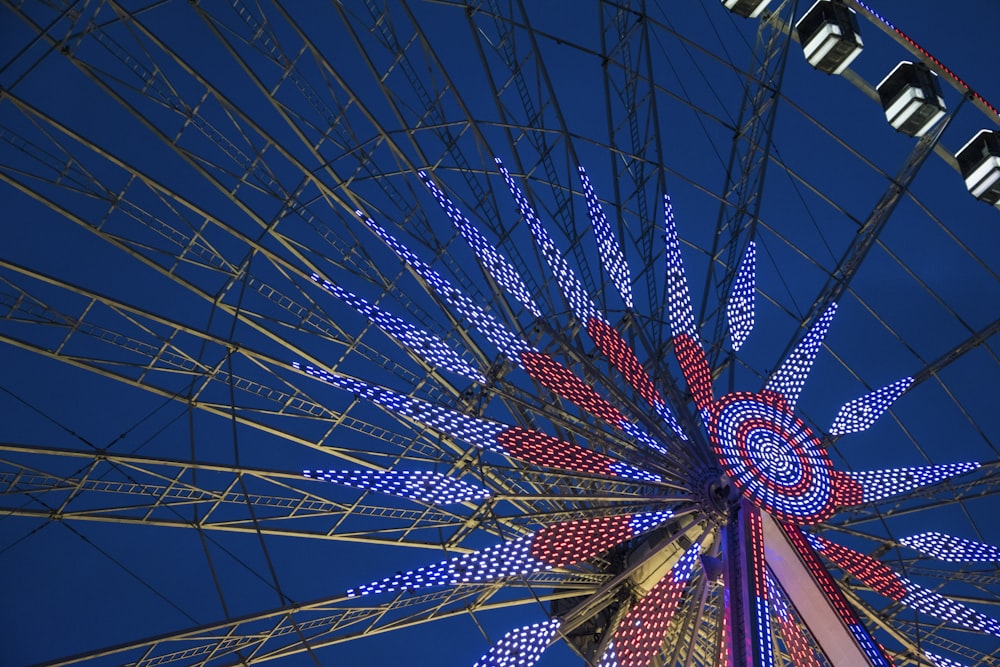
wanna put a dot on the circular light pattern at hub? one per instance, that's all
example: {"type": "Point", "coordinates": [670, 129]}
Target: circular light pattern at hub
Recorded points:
{"type": "Point", "coordinates": [774, 458]}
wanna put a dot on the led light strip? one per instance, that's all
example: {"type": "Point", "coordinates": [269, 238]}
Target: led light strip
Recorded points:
{"type": "Point", "coordinates": [557, 545]}
{"type": "Point", "coordinates": [521, 647]}
{"type": "Point", "coordinates": [909, 40]}
{"type": "Point", "coordinates": [524, 444]}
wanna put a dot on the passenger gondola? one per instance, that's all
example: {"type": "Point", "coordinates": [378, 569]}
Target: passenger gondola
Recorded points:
{"type": "Point", "coordinates": [830, 36]}
{"type": "Point", "coordinates": [979, 162]}
{"type": "Point", "coordinates": [911, 98]}
{"type": "Point", "coordinates": [746, 8]}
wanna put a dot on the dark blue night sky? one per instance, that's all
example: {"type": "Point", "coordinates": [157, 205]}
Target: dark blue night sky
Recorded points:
{"type": "Point", "coordinates": [171, 175]}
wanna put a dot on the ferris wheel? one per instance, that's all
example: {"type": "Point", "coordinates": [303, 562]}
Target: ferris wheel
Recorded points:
{"type": "Point", "coordinates": [494, 333]}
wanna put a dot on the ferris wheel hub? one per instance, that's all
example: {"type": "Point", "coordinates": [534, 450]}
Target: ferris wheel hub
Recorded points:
{"type": "Point", "coordinates": [772, 456]}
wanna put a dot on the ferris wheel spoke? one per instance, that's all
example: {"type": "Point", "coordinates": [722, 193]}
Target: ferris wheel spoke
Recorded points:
{"type": "Point", "coordinates": [635, 136]}
{"type": "Point", "coordinates": [322, 323]}
{"type": "Point", "coordinates": [900, 589]}
{"type": "Point", "coordinates": [867, 236]}
{"type": "Point", "coordinates": [297, 628]}
{"type": "Point", "coordinates": [952, 548]}
{"type": "Point", "coordinates": [156, 491]}
{"type": "Point", "coordinates": [686, 338]}
{"type": "Point", "coordinates": [740, 307]}
{"type": "Point", "coordinates": [523, 480]}
{"type": "Point", "coordinates": [749, 156]}
{"type": "Point", "coordinates": [153, 339]}
{"type": "Point", "coordinates": [432, 349]}
{"type": "Point", "coordinates": [494, 261]}
{"type": "Point", "coordinates": [640, 633]}
{"type": "Point", "coordinates": [941, 661]}
{"type": "Point", "coordinates": [983, 580]}
{"type": "Point", "coordinates": [125, 343]}
{"type": "Point", "coordinates": [521, 647]}
{"type": "Point", "coordinates": [788, 379]}
{"type": "Point", "coordinates": [861, 413]}
{"type": "Point", "coordinates": [524, 71]}
{"type": "Point", "coordinates": [143, 498]}
{"type": "Point", "coordinates": [609, 247]}
{"type": "Point", "coordinates": [982, 483]}
{"type": "Point", "coordinates": [183, 245]}
{"type": "Point", "coordinates": [243, 127]}
{"type": "Point", "coordinates": [557, 545]}
{"type": "Point", "coordinates": [869, 486]}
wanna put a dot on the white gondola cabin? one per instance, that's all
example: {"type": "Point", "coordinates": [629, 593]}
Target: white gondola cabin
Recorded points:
{"type": "Point", "coordinates": [748, 8]}
{"type": "Point", "coordinates": [911, 98]}
{"type": "Point", "coordinates": [979, 162]}
{"type": "Point", "coordinates": [830, 36]}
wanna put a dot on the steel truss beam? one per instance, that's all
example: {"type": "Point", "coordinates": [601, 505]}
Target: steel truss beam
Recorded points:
{"type": "Point", "coordinates": [739, 209]}
{"type": "Point", "coordinates": [131, 489]}
{"type": "Point", "coordinates": [286, 631]}
{"type": "Point", "coordinates": [867, 236]}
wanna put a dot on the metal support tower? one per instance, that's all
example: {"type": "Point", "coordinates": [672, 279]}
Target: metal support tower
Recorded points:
{"type": "Point", "coordinates": [747, 613]}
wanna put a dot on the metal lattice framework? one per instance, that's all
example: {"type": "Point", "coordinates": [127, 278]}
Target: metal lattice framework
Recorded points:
{"type": "Point", "coordinates": [420, 251]}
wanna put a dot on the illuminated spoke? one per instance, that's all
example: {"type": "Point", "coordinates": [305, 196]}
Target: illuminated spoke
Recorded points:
{"type": "Point", "coordinates": [427, 487]}
{"type": "Point", "coordinates": [608, 246]}
{"type": "Point", "coordinates": [623, 357]}
{"type": "Point", "coordinates": [742, 299]}
{"type": "Point", "coordinates": [424, 344]}
{"type": "Point", "coordinates": [952, 549]}
{"type": "Point", "coordinates": [640, 633]}
{"type": "Point", "coordinates": [572, 289]}
{"type": "Point", "coordinates": [855, 488]}
{"type": "Point", "coordinates": [491, 258]}
{"type": "Point", "coordinates": [509, 344]}
{"type": "Point", "coordinates": [679, 297]}
{"type": "Point", "coordinates": [526, 445]}
{"type": "Point", "coordinates": [941, 661]}
{"type": "Point", "coordinates": [858, 415]}
{"type": "Point", "coordinates": [521, 647]}
{"type": "Point", "coordinates": [900, 589]}
{"type": "Point", "coordinates": [687, 342]}
{"type": "Point", "coordinates": [791, 376]}
{"type": "Point", "coordinates": [557, 545]}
